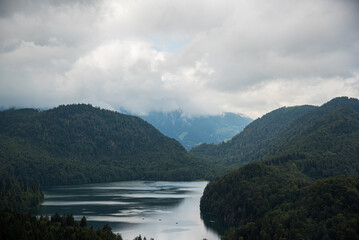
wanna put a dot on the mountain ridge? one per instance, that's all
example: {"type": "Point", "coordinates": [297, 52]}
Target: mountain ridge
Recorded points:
{"type": "Point", "coordinates": [303, 186]}
{"type": "Point", "coordinates": [79, 144]}
{"type": "Point", "coordinates": [256, 135]}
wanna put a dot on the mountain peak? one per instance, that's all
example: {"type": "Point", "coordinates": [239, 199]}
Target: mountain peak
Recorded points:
{"type": "Point", "coordinates": [342, 102]}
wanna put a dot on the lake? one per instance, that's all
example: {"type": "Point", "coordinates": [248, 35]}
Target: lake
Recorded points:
{"type": "Point", "coordinates": [159, 210]}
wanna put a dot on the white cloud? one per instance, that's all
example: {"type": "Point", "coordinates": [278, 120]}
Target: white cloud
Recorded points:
{"type": "Point", "coordinates": [204, 57]}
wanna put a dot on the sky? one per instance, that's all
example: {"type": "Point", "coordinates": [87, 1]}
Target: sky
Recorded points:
{"type": "Point", "coordinates": [204, 57]}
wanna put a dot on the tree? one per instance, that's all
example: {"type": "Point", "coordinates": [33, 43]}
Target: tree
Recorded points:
{"type": "Point", "coordinates": [83, 222]}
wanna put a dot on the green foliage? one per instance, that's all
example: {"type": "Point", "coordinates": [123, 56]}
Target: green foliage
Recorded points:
{"type": "Point", "coordinates": [295, 191]}
{"type": "Point", "coordinates": [19, 197]}
{"type": "Point", "coordinates": [323, 141]}
{"type": "Point", "coordinates": [326, 209]}
{"type": "Point", "coordinates": [248, 193]}
{"type": "Point", "coordinates": [26, 226]}
{"type": "Point", "coordinates": [258, 134]}
{"type": "Point", "coordinates": [82, 144]}
{"type": "Point", "coordinates": [271, 202]}
{"type": "Point", "coordinates": [327, 141]}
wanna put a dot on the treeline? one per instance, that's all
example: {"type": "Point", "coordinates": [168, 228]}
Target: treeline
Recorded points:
{"type": "Point", "coordinates": [18, 201]}
{"type": "Point", "coordinates": [14, 226]}
{"type": "Point", "coordinates": [249, 192]}
{"type": "Point", "coordinates": [19, 197]}
{"type": "Point", "coordinates": [78, 144]}
{"type": "Point", "coordinates": [278, 202]}
{"type": "Point", "coordinates": [325, 209]}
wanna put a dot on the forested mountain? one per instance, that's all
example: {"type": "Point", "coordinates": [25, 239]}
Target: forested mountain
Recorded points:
{"type": "Point", "coordinates": [81, 144]}
{"type": "Point", "coordinates": [191, 131]}
{"type": "Point", "coordinates": [323, 143]}
{"type": "Point", "coordinates": [325, 209]}
{"type": "Point", "coordinates": [257, 135]}
{"type": "Point", "coordinates": [295, 191]}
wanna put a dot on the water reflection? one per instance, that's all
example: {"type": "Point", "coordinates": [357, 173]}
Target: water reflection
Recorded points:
{"type": "Point", "coordinates": [159, 210]}
{"type": "Point", "coordinates": [215, 224]}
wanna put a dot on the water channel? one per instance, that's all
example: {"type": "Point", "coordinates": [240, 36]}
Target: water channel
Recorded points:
{"type": "Point", "coordinates": [159, 210]}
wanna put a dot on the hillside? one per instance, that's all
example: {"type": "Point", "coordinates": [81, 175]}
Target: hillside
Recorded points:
{"type": "Point", "coordinates": [323, 143]}
{"type": "Point", "coordinates": [81, 144]}
{"type": "Point", "coordinates": [294, 192]}
{"type": "Point", "coordinates": [257, 135]}
{"type": "Point", "coordinates": [325, 209]}
{"type": "Point", "coordinates": [196, 130]}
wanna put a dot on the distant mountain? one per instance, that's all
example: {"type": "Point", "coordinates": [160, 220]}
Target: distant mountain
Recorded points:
{"type": "Point", "coordinates": [305, 182]}
{"type": "Point", "coordinates": [196, 130]}
{"type": "Point", "coordinates": [80, 144]}
{"type": "Point", "coordinates": [244, 147]}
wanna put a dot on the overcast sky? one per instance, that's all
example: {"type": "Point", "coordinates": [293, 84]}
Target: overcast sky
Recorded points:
{"type": "Point", "coordinates": [201, 56]}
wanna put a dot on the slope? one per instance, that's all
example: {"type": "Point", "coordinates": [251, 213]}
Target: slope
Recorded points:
{"type": "Point", "coordinates": [322, 143]}
{"type": "Point", "coordinates": [80, 143]}
{"type": "Point", "coordinates": [294, 192]}
{"type": "Point", "coordinates": [257, 135]}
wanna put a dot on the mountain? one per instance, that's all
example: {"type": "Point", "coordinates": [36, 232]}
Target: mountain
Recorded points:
{"type": "Point", "coordinates": [196, 130]}
{"type": "Point", "coordinates": [324, 209]}
{"type": "Point", "coordinates": [323, 143]}
{"type": "Point", "coordinates": [258, 134]}
{"type": "Point", "coordinates": [80, 144]}
{"type": "Point", "coordinates": [305, 182]}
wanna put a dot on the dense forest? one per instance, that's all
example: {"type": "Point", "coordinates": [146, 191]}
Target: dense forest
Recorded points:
{"type": "Point", "coordinates": [323, 143]}
{"type": "Point", "coordinates": [325, 209]}
{"type": "Point", "coordinates": [304, 185]}
{"type": "Point", "coordinates": [257, 135]}
{"type": "Point", "coordinates": [14, 226]}
{"type": "Point", "coordinates": [19, 197]}
{"type": "Point", "coordinates": [18, 201]}
{"type": "Point", "coordinates": [82, 144]}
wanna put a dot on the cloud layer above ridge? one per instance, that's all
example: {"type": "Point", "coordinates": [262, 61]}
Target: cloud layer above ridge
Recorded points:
{"type": "Point", "coordinates": [204, 57]}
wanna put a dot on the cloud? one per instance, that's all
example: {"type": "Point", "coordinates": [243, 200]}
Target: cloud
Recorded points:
{"type": "Point", "coordinates": [204, 57]}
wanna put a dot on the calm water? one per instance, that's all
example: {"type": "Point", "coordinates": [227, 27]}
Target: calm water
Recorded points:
{"type": "Point", "coordinates": [159, 210]}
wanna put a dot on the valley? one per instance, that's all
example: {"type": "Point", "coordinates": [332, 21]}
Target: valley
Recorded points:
{"type": "Point", "coordinates": [291, 174]}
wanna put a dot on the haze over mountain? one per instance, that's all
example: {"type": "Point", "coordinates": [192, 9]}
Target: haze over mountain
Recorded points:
{"type": "Point", "coordinates": [191, 131]}
{"type": "Point", "coordinates": [80, 143]}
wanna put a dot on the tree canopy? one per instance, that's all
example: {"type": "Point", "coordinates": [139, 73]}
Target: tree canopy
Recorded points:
{"type": "Point", "coordinates": [304, 184]}
{"type": "Point", "coordinates": [81, 144]}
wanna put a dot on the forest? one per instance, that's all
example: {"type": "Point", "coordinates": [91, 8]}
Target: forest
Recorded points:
{"type": "Point", "coordinates": [257, 135]}
{"type": "Point", "coordinates": [27, 226]}
{"type": "Point", "coordinates": [78, 144]}
{"type": "Point", "coordinates": [18, 203]}
{"type": "Point", "coordinates": [325, 209]}
{"type": "Point", "coordinates": [304, 184]}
